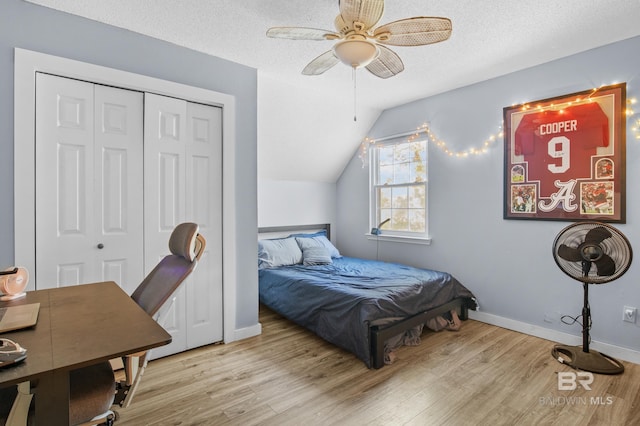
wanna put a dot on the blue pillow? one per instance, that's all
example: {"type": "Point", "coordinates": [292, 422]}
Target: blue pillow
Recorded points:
{"type": "Point", "coordinates": [278, 252]}
{"type": "Point", "coordinates": [316, 256]}
{"type": "Point", "coordinates": [319, 241]}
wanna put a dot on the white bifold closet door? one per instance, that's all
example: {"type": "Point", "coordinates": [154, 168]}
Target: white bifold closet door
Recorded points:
{"type": "Point", "coordinates": [89, 187]}
{"type": "Point", "coordinates": [183, 147]}
{"type": "Point", "coordinates": [116, 171]}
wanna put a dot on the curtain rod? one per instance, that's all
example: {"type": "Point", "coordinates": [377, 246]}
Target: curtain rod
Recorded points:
{"type": "Point", "coordinates": [399, 135]}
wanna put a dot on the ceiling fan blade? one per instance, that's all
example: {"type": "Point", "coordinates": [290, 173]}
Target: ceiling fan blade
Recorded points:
{"type": "Point", "coordinates": [605, 266]}
{"type": "Point", "coordinates": [387, 64]}
{"type": "Point", "coordinates": [341, 25]}
{"type": "Point", "coordinates": [414, 31]}
{"type": "Point", "coordinates": [569, 253]}
{"type": "Point", "coordinates": [321, 63]}
{"type": "Point", "coordinates": [366, 12]}
{"type": "Point", "coordinates": [301, 33]}
{"type": "Point", "coordinates": [597, 235]}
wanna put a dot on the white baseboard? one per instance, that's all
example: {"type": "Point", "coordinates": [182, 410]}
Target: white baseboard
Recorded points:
{"type": "Point", "coordinates": [617, 352]}
{"type": "Point", "coordinates": [245, 333]}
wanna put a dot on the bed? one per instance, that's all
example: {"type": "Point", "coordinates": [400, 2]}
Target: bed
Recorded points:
{"type": "Point", "coordinates": [363, 306]}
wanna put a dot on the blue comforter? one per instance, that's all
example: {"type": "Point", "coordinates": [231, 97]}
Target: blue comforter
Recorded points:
{"type": "Point", "coordinates": [339, 301]}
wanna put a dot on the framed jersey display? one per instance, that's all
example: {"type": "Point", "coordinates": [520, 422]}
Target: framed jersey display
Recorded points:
{"type": "Point", "coordinates": [564, 158]}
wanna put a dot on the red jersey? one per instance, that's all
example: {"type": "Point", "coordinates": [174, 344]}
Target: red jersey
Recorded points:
{"type": "Point", "coordinates": [558, 145]}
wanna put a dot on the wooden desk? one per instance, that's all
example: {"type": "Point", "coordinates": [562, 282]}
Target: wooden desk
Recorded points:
{"type": "Point", "coordinates": [77, 326]}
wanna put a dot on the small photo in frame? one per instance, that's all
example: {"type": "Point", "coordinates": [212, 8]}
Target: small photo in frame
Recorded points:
{"type": "Point", "coordinates": [523, 199]}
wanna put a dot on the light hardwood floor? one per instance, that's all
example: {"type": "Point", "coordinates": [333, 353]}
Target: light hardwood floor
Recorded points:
{"type": "Point", "coordinates": [480, 375]}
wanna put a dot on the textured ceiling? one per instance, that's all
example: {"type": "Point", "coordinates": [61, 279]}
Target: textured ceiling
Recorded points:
{"type": "Point", "coordinates": [489, 38]}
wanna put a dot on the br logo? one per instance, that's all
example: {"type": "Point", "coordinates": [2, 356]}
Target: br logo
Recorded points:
{"type": "Point", "coordinates": [568, 380]}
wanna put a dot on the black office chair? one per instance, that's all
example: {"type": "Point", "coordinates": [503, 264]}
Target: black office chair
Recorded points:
{"type": "Point", "coordinates": [93, 389]}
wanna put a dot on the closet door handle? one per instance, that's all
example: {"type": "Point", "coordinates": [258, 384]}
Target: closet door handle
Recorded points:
{"type": "Point", "coordinates": [100, 246]}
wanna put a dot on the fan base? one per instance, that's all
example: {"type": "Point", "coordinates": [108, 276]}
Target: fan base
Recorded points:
{"type": "Point", "coordinates": [12, 296]}
{"type": "Point", "coordinates": [593, 361]}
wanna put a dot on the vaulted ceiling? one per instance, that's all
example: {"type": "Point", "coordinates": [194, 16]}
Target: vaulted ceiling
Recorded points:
{"type": "Point", "coordinates": [306, 127]}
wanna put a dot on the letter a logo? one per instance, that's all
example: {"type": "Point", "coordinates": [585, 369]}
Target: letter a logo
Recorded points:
{"type": "Point", "coordinates": [564, 195]}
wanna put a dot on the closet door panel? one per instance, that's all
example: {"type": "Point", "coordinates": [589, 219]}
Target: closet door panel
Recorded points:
{"type": "Point", "coordinates": [170, 208]}
{"type": "Point", "coordinates": [171, 317]}
{"type": "Point", "coordinates": [71, 188]}
{"type": "Point", "coordinates": [164, 198]}
{"type": "Point", "coordinates": [204, 206]}
{"type": "Point", "coordinates": [119, 181]}
{"type": "Point", "coordinates": [164, 168]}
{"type": "Point", "coordinates": [88, 183]}
{"type": "Point", "coordinates": [64, 170]}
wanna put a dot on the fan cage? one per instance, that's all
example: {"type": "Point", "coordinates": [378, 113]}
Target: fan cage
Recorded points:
{"type": "Point", "coordinates": [617, 247]}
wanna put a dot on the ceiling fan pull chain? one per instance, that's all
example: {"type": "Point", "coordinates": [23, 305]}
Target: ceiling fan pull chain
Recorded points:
{"type": "Point", "coordinates": [354, 92]}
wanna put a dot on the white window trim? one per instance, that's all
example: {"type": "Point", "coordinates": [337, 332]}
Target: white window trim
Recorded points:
{"type": "Point", "coordinates": [395, 236]}
{"type": "Point", "coordinates": [399, 239]}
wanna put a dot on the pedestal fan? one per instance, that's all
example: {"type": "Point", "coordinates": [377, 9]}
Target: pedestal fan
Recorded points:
{"type": "Point", "coordinates": [593, 253]}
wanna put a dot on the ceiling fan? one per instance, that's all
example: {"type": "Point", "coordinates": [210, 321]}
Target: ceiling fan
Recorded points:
{"type": "Point", "coordinates": [360, 44]}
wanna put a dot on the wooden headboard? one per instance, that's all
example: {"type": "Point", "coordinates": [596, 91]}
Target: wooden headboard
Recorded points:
{"type": "Point", "coordinates": [284, 231]}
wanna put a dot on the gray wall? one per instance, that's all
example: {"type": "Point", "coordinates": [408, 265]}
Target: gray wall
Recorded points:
{"type": "Point", "coordinates": [506, 263]}
{"type": "Point", "coordinates": [286, 202]}
{"type": "Point", "coordinates": [44, 30]}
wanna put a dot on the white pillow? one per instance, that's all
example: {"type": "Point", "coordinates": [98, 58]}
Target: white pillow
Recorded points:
{"type": "Point", "coordinates": [318, 241]}
{"type": "Point", "coordinates": [280, 252]}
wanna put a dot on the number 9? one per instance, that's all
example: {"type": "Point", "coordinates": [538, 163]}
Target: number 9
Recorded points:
{"type": "Point", "coordinates": [563, 153]}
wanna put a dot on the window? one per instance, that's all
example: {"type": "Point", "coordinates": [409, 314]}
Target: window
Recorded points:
{"type": "Point", "coordinates": [399, 187]}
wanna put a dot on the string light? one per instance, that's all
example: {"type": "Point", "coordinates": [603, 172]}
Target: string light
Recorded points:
{"type": "Point", "coordinates": [635, 124]}
{"type": "Point", "coordinates": [558, 106]}
{"type": "Point", "coordinates": [424, 130]}
{"type": "Point", "coordinates": [628, 112]}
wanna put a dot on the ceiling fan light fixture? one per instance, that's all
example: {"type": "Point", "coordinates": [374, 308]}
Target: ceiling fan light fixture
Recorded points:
{"type": "Point", "coordinates": [356, 53]}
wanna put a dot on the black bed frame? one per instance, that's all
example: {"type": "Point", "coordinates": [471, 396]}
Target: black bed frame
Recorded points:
{"type": "Point", "coordinates": [378, 334]}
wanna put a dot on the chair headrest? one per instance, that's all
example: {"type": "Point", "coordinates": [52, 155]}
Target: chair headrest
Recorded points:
{"type": "Point", "coordinates": [183, 240]}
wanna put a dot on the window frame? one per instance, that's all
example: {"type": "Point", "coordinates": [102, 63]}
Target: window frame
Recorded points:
{"type": "Point", "coordinates": [374, 186]}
